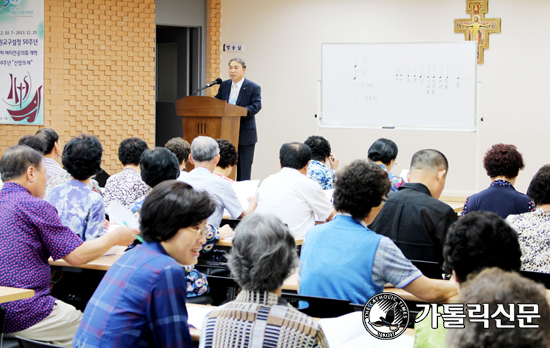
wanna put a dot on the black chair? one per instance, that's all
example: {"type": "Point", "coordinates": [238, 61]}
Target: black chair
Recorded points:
{"type": "Point", "coordinates": [543, 278]}
{"type": "Point", "coordinates": [102, 177]}
{"type": "Point", "coordinates": [429, 268]}
{"type": "Point", "coordinates": [231, 222]}
{"type": "Point", "coordinates": [203, 299]}
{"type": "Point", "coordinates": [28, 343]}
{"type": "Point", "coordinates": [319, 307]}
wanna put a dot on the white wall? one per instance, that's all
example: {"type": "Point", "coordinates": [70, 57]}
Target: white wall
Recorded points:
{"type": "Point", "coordinates": [283, 53]}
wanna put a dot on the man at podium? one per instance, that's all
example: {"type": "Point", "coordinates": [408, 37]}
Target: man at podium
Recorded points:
{"type": "Point", "coordinates": [243, 92]}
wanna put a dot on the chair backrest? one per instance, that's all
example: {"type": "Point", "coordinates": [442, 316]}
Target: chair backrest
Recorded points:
{"type": "Point", "coordinates": [429, 268]}
{"type": "Point", "coordinates": [28, 343]}
{"type": "Point", "coordinates": [320, 307]}
{"type": "Point", "coordinates": [543, 278]}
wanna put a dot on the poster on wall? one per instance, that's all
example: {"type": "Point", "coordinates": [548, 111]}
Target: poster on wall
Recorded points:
{"type": "Point", "coordinates": [22, 62]}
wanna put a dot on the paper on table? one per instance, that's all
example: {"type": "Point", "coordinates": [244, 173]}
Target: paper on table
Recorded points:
{"type": "Point", "coordinates": [120, 215]}
{"type": "Point", "coordinates": [196, 314]}
{"type": "Point", "coordinates": [348, 331]}
{"type": "Point", "coordinates": [115, 250]}
{"type": "Point", "coordinates": [244, 190]}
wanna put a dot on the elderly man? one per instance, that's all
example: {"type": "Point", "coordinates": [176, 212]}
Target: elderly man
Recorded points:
{"type": "Point", "coordinates": [291, 196]}
{"type": "Point", "coordinates": [259, 317]}
{"type": "Point", "coordinates": [31, 232]}
{"type": "Point", "coordinates": [414, 217]}
{"type": "Point", "coordinates": [205, 154]}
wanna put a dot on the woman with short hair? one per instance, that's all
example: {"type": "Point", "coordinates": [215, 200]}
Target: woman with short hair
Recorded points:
{"type": "Point", "coordinates": [534, 227]}
{"type": "Point", "coordinates": [78, 206]}
{"type": "Point", "coordinates": [262, 257]}
{"type": "Point", "coordinates": [502, 163]}
{"type": "Point", "coordinates": [323, 164]}
{"type": "Point", "coordinates": [384, 152]}
{"type": "Point", "coordinates": [141, 300]}
{"type": "Point", "coordinates": [228, 160]}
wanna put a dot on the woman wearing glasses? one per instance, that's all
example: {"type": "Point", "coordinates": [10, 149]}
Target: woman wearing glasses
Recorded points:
{"type": "Point", "coordinates": [344, 259]}
{"type": "Point", "coordinates": [141, 300]}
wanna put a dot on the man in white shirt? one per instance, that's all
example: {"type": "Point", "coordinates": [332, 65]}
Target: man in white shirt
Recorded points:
{"type": "Point", "coordinates": [205, 154]}
{"type": "Point", "coordinates": [291, 196]}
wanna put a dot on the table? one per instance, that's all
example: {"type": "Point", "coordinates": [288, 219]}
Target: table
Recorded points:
{"type": "Point", "coordinates": [457, 203]}
{"type": "Point", "coordinates": [13, 294]}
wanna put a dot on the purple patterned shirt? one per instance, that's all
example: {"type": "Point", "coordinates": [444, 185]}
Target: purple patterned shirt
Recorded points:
{"type": "Point", "coordinates": [30, 232]}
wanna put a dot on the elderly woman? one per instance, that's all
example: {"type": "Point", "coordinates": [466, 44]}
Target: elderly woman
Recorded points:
{"type": "Point", "coordinates": [344, 259]}
{"type": "Point", "coordinates": [321, 157]}
{"type": "Point", "coordinates": [502, 163]}
{"type": "Point", "coordinates": [534, 227]}
{"type": "Point", "coordinates": [78, 206]}
{"type": "Point", "coordinates": [262, 257]}
{"type": "Point", "coordinates": [141, 300]}
{"type": "Point", "coordinates": [228, 160]}
{"type": "Point", "coordinates": [181, 149]}
{"type": "Point", "coordinates": [384, 152]}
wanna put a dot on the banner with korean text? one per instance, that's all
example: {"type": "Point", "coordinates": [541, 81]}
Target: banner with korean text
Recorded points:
{"type": "Point", "coordinates": [22, 62]}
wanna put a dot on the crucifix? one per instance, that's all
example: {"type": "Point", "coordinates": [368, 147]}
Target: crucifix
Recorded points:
{"type": "Point", "coordinates": [477, 28]}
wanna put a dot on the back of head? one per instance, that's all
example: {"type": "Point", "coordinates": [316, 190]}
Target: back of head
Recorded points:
{"type": "Point", "coordinates": [383, 150]}
{"type": "Point", "coordinates": [263, 253]}
{"type": "Point", "coordinates": [49, 136]}
{"type": "Point", "coordinates": [170, 206]}
{"type": "Point", "coordinates": [204, 149]}
{"type": "Point", "coordinates": [539, 188]}
{"type": "Point", "coordinates": [82, 156]}
{"type": "Point", "coordinates": [360, 187]}
{"type": "Point", "coordinates": [16, 160]}
{"type": "Point", "coordinates": [180, 148]}
{"type": "Point", "coordinates": [503, 160]}
{"type": "Point", "coordinates": [479, 240]}
{"type": "Point", "coordinates": [429, 160]}
{"type": "Point", "coordinates": [294, 155]}
{"type": "Point", "coordinates": [33, 142]}
{"type": "Point", "coordinates": [498, 288]}
{"type": "Point", "coordinates": [158, 165]}
{"type": "Point", "coordinates": [130, 150]}
{"type": "Point", "coordinates": [320, 147]}
{"type": "Point", "coordinates": [228, 153]}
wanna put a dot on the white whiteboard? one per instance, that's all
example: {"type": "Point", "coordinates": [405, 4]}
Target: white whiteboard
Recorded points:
{"type": "Point", "coordinates": [399, 84]}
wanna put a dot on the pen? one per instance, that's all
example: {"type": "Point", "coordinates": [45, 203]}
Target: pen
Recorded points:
{"type": "Point", "coordinates": [137, 235]}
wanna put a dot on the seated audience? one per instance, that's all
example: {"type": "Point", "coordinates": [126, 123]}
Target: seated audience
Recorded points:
{"type": "Point", "coordinates": [259, 317]}
{"type": "Point", "coordinates": [141, 300]}
{"type": "Point", "coordinates": [384, 152]}
{"type": "Point", "coordinates": [205, 155]}
{"type": "Point", "coordinates": [53, 150]}
{"type": "Point", "coordinates": [497, 288]}
{"type": "Point", "coordinates": [33, 142]}
{"type": "Point", "coordinates": [290, 195]}
{"type": "Point", "coordinates": [321, 157]}
{"type": "Point", "coordinates": [414, 218]}
{"type": "Point", "coordinates": [228, 160]}
{"type": "Point", "coordinates": [31, 232]}
{"type": "Point", "coordinates": [181, 149]}
{"type": "Point", "coordinates": [126, 187]}
{"type": "Point", "coordinates": [475, 242]}
{"type": "Point", "coordinates": [502, 163]}
{"type": "Point", "coordinates": [344, 259]}
{"type": "Point", "coordinates": [534, 227]}
{"type": "Point", "coordinates": [80, 208]}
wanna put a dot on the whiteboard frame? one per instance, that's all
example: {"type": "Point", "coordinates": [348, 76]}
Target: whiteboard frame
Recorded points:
{"type": "Point", "coordinates": [320, 124]}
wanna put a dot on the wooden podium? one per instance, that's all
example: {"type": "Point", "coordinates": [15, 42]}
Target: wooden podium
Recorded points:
{"type": "Point", "coordinates": [211, 117]}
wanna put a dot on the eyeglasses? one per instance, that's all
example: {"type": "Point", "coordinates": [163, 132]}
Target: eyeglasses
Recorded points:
{"type": "Point", "coordinates": [201, 232]}
{"type": "Point", "coordinates": [385, 199]}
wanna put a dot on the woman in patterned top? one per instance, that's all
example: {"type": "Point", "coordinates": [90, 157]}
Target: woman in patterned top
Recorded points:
{"type": "Point", "coordinates": [228, 160]}
{"type": "Point", "coordinates": [321, 157]}
{"type": "Point", "coordinates": [384, 152]}
{"type": "Point", "coordinates": [534, 227]}
{"type": "Point", "coordinates": [80, 208]}
{"type": "Point", "coordinates": [502, 163]}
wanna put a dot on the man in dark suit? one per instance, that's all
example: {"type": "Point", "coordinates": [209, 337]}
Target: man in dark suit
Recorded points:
{"type": "Point", "coordinates": [243, 92]}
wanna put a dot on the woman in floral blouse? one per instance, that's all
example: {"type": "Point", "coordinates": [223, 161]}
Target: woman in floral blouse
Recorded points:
{"type": "Point", "coordinates": [384, 152]}
{"type": "Point", "coordinates": [323, 164]}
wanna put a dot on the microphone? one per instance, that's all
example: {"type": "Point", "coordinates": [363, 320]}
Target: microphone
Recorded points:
{"type": "Point", "coordinates": [218, 81]}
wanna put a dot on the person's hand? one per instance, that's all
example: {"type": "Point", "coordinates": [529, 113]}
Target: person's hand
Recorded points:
{"type": "Point", "coordinates": [225, 231]}
{"type": "Point", "coordinates": [123, 235]}
{"type": "Point", "coordinates": [333, 161]}
{"type": "Point", "coordinates": [252, 202]}
{"type": "Point", "coordinates": [106, 224]}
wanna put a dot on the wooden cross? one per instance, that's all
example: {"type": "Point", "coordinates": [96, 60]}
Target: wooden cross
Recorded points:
{"type": "Point", "coordinates": [477, 28]}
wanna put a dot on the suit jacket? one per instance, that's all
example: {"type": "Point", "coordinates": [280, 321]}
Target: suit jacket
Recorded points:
{"type": "Point", "coordinates": [249, 97]}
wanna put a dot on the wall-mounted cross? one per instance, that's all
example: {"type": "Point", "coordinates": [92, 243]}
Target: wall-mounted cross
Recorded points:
{"type": "Point", "coordinates": [477, 28]}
